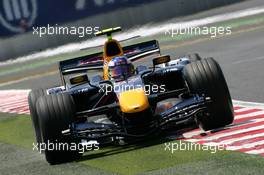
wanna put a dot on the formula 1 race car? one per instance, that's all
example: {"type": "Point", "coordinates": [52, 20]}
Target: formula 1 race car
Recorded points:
{"type": "Point", "coordinates": [91, 108]}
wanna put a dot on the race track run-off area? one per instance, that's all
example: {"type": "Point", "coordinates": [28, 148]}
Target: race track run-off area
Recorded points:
{"type": "Point", "coordinates": [245, 135]}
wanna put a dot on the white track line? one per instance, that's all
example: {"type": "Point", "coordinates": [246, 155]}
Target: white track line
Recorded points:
{"type": "Point", "coordinates": [16, 91]}
{"type": "Point", "coordinates": [248, 104]}
{"type": "Point", "coordinates": [147, 30]}
{"type": "Point", "coordinates": [233, 140]}
{"type": "Point", "coordinates": [219, 136]}
{"type": "Point", "coordinates": [14, 101]}
{"type": "Point", "coordinates": [249, 115]}
{"type": "Point", "coordinates": [250, 145]}
{"type": "Point", "coordinates": [15, 106]}
{"type": "Point", "coordinates": [257, 151]}
{"type": "Point", "coordinates": [198, 132]}
{"type": "Point", "coordinates": [244, 109]}
{"type": "Point", "coordinates": [191, 134]}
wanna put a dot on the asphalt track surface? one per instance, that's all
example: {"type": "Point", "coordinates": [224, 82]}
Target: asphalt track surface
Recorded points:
{"type": "Point", "coordinates": [241, 57]}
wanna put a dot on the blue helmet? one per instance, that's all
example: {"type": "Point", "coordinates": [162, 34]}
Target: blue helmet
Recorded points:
{"type": "Point", "coordinates": [120, 68]}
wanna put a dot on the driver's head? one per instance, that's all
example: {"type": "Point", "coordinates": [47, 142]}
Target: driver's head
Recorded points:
{"type": "Point", "coordinates": [120, 68]}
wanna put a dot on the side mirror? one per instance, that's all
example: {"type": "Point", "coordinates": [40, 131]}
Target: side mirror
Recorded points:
{"type": "Point", "coordinates": [161, 60]}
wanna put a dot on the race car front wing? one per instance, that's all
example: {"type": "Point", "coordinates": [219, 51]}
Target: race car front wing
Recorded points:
{"type": "Point", "coordinates": [186, 111]}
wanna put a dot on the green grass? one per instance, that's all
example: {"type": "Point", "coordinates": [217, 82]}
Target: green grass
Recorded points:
{"type": "Point", "coordinates": [133, 160]}
{"type": "Point", "coordinates": [144, 157]}
{"type": "Point", "coordinates": [147, 157]}
{"type": "Point", "coordinates": [17, 130]}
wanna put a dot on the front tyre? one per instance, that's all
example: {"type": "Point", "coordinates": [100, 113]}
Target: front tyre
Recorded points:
{"type": "Point", "coordinates": [32, 100]}
{"type": "Point", "coordinates": [205, 77]}
{"type": "Point", "coordinates": [56, 113]}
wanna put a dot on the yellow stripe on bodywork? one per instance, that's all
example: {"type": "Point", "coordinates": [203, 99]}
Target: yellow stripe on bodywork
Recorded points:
{"type": "Point", "coordinates": [133, 101]}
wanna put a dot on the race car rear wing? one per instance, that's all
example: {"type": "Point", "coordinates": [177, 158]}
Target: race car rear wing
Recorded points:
{"type": "Point", "coordinates": [95, 61]}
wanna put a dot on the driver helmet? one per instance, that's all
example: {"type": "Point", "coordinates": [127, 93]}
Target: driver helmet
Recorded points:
{"type": "Point", "coordinates": [120, 68]}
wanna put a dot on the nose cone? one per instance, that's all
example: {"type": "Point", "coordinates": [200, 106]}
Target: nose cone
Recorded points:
{"type": "Point", "coordinates": [133, 101]}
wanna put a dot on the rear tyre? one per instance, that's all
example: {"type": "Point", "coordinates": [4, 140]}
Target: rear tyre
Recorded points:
{"type": "Point", "coordinates": [56, 113]}
{"type": "Point", "coordinates": [32, 100]}
{"type": "Point", "coordinates": [194, 57]}
{"type": "Point", "coordinates": [205, 77]}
